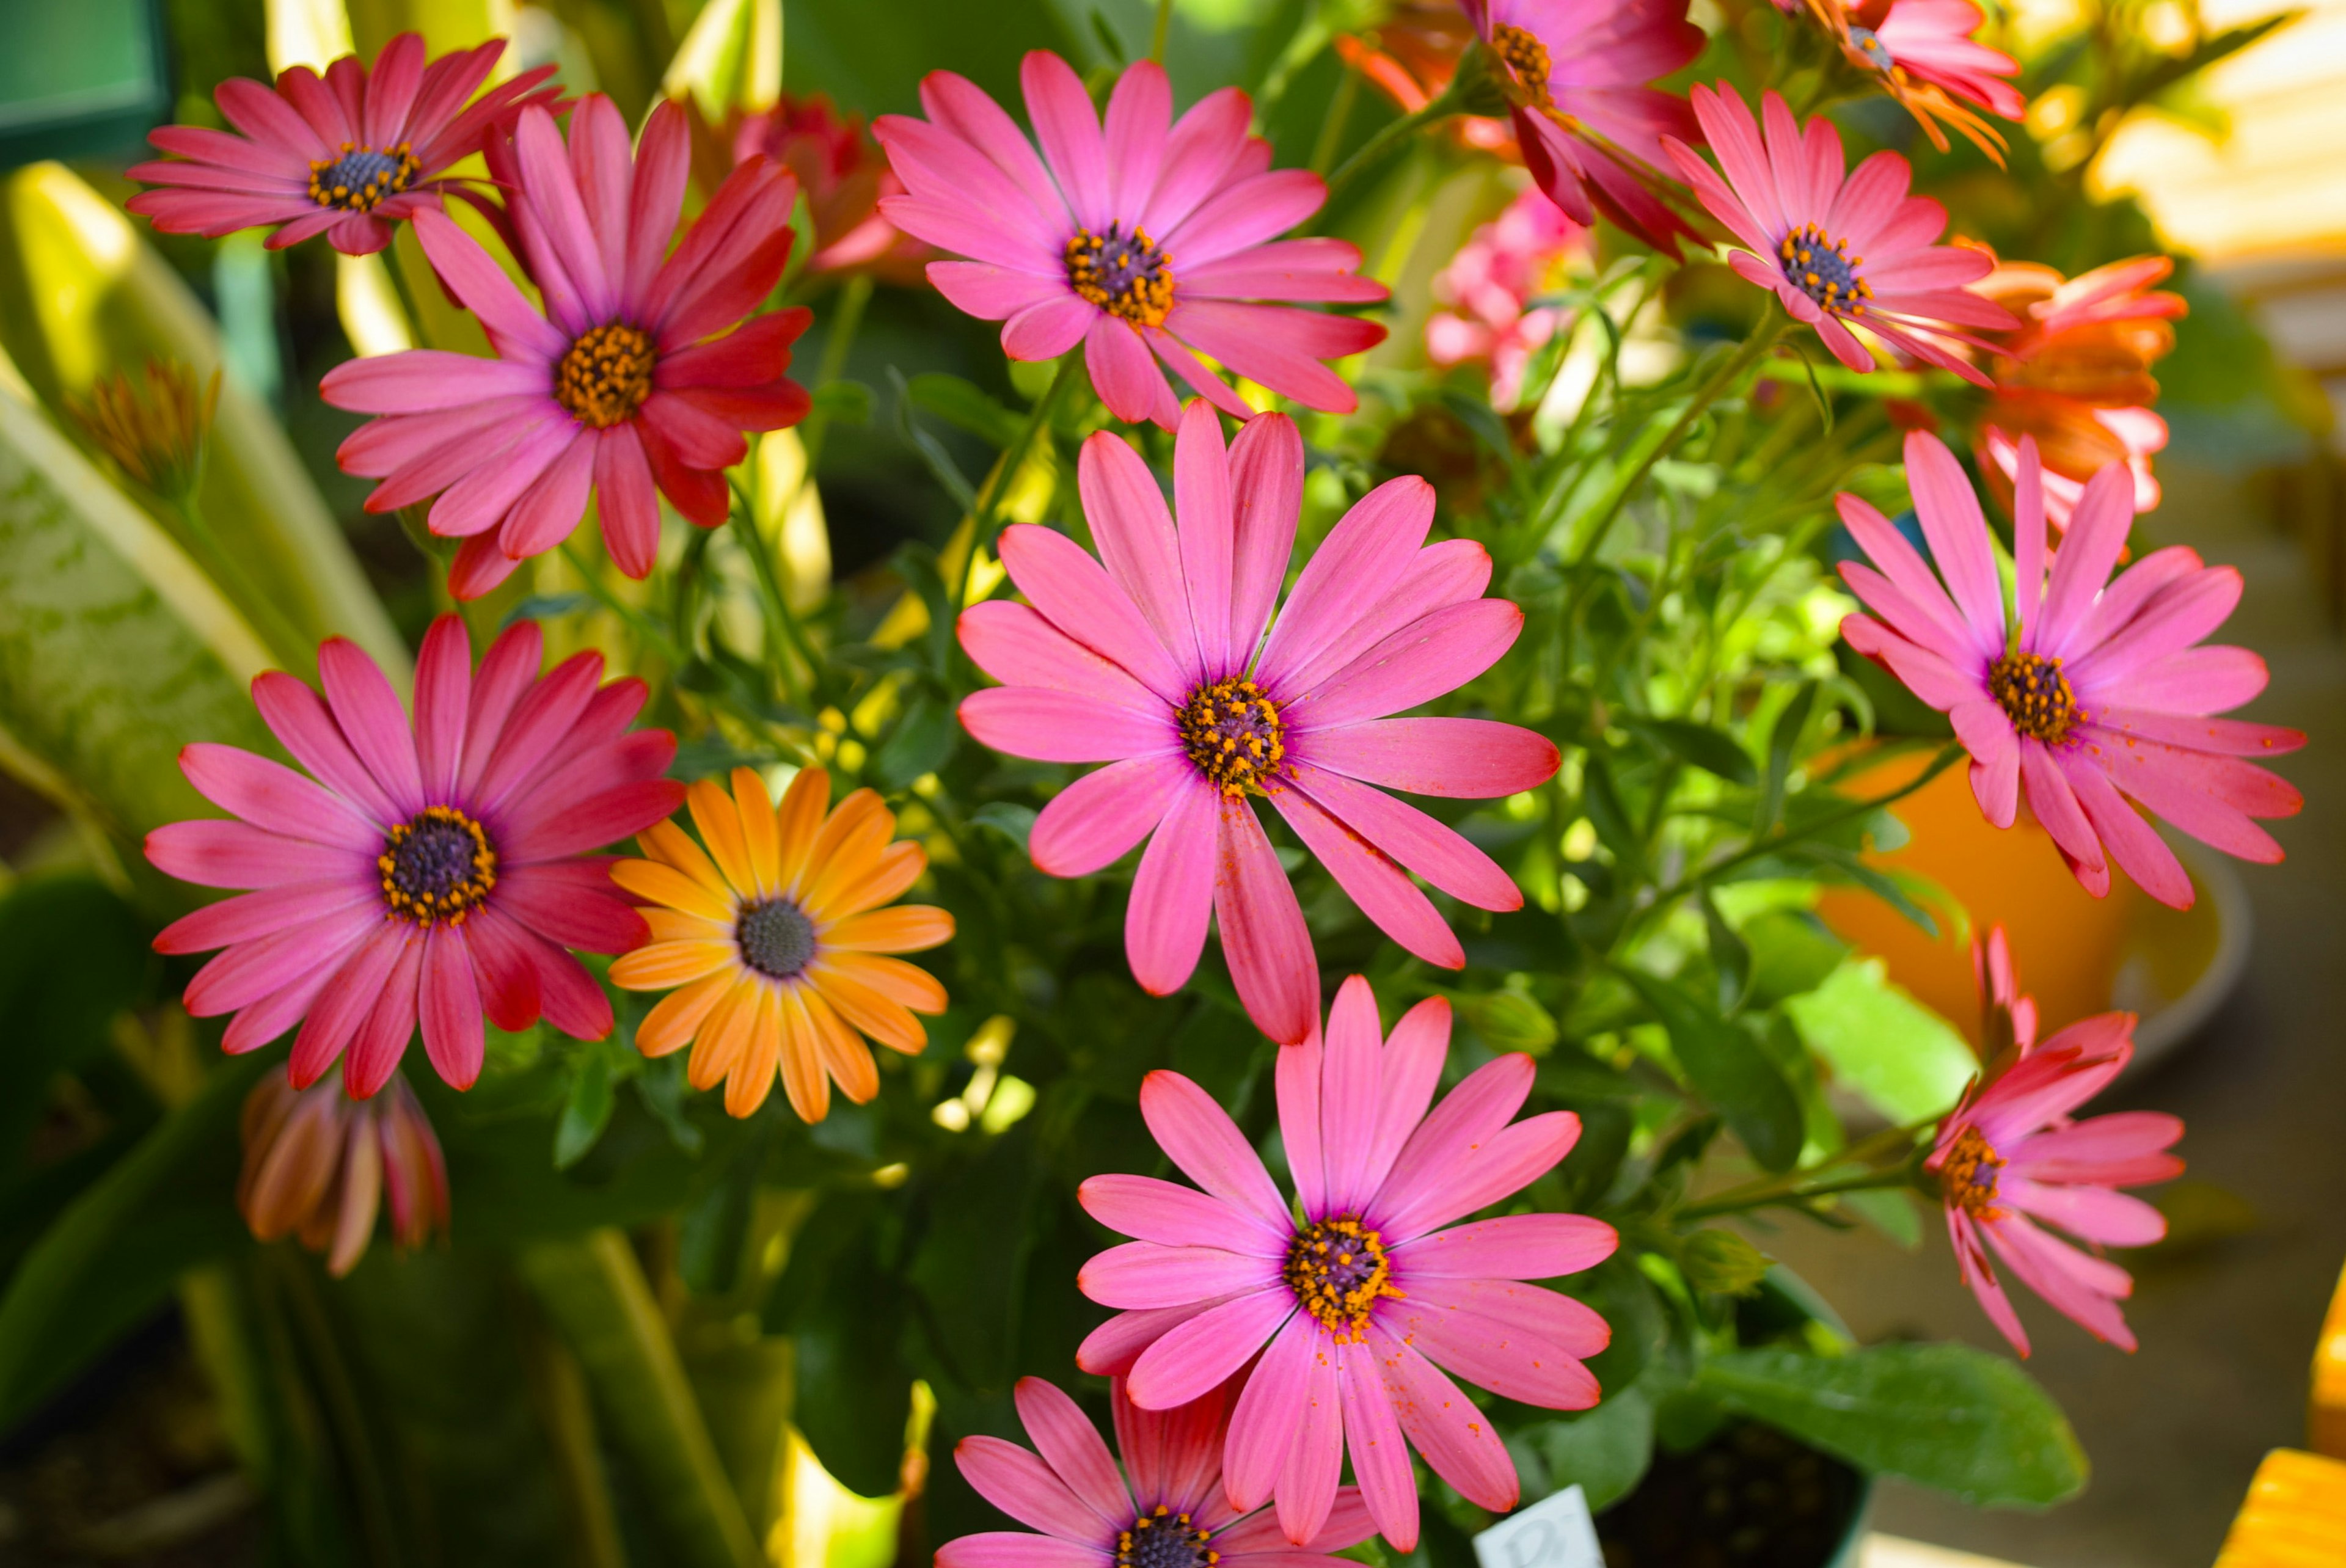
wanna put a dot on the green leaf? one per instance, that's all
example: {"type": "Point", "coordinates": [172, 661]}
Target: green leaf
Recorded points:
{"type": "Point", "coordinates": [972, 1257]}
{"type": "Point", "coordinates": [1791, 952]}
{"type": "Point", "coordinates": [844, 402]}
{"type": "Point", "coordinates": [587, 1112]}
{"type": "Point", "coordinates": [710, 1239]}
{"type": "Point", "coordinates": [1604, 1452]}
{"type": "Point", "coordinates": [845, 1316]}
{"type": "Point", "coordinates": [1728, 955]}
{"type": "Point", "coordinates": [1708, 749]}
{"type": "Point", "coordinates": [72, 954]}
{"type": "Point", "coordinates": [1602, 800]}
{"type": "Point", "coordinates": [1013, 821]}
{"type": "Point", "coordinates": [1903, 1059]}
{"type": "Point", "coordinates": [966, 406]}
{"type": "Point", "coordinates": [1728, 1070]}
{"type": "Point", "coordinates": [919, 744]}
{"type": "Point", "coordinates": [939, 462]}
{"type": "Point", "coordinates": [1945, 1416]}
{"type": "Point", "coordinates": [1782, 741]}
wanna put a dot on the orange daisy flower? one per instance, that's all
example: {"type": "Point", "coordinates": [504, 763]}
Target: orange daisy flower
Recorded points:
{"type": "Point", "coordinates": [771, 930]}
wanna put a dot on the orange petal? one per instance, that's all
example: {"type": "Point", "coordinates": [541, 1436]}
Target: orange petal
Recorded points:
{"type": "Point", "coordinates": [844, 857]}
{"type": "Point", "coordinates": [899, 866]}
{"type": "Point", "coordinates": [675, 925]}
{"type": "Point", "coordinates": [664, 884]}
{"type": "Point", "coordinates": [752, 1078]}
{"type": "Point", "coordinates": [845, 1054]}
{"type": "Point", "coordinates": [797, 821]}
{"type": "Point", "coordinates": [723, 1036]}
{"type": "Point", "coordinates": [660, 964]}
{"type": "Point", "coordinates": [883, 1018]}
{"type": "Point", "coordinates": [760, 834]}
{"type": "Point", "coordinates": [908, 928]}
{"type": "Point", "coordinates": [902, 983]}
{"type": "Point", "coordinates": [297, 1171]}
{"type": "Point", "coordinates": [719, 823]}
{"type": "Point", "coordinates": [676, 1017]}
{"type": "Point", "coordinates": [671, 845]}
{"type": "Point", "coordinates": [803, 1079]}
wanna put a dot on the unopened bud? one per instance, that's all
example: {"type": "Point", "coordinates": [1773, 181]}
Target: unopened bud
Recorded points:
{"type": "Point", "coordinates": [1722, 1263]}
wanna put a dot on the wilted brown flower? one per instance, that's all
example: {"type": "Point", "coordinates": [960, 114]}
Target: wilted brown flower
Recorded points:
{"type": "Point", "coordinates": [154, 427]}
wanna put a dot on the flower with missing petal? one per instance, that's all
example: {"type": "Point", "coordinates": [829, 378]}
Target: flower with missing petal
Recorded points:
{"type": "Point", "coordinates": [2096, 695]}
{"type": "Point", "coordinates": [1152, 657]}
{"type": "Point", "coordinates": [633, 382]}
{"type": "Point", "coordinates": [1840, 250]}
{"type": "Point", "coordinates": [1357, 1307]}
{"type": "Point", "coordinates": [1166, 1508]}
{"type": "Point", "coordinates": [2011, 1160]}
{"type": "Point", "coordinates": [419, 873]}
{"type": "Point", "coordinates": [773, 933]}
{"type": "Point", "coordinates": [1148, 240]}
{"type": "Point", "coordinates": [1924, 55]}
{"type": "Point", "coordinates": [1578, 76]}
{"type": "Point", "coordinates": [347, 155]}
{"type": "Point", "coordinates": [318, 1166]}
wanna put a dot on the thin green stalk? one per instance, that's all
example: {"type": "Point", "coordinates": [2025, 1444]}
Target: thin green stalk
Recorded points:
{"type": "Point", "coordinates": [642, 624]}
{"type": "Point", "coordinates": [782, 628]}
{"type": "Point", "coordinates": [985, 511]}
{"type": "Point", "coordinates": [1798, 1187]}
{"type": "Point", "coordinates": [1332, 129]}
{"type": "Point", "coordinates": [345, 1412]}
{"type": "Point", "coordinates": [1373, 151]}
{"type": "Point", "coordinates": [284, 639]}
{"type": "Point", "coordinates": [854, 296]}
{"type": "Point", "coordinates": [1164, 29]}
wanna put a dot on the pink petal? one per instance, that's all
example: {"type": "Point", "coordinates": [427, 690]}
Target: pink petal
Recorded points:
{"type": "Point", "coordinates": [1244, 213]}
{"type": "Point", "coordinates": [1048, 328]}
{"type": "Point", "coordinates": [1017, 646]}
{"type": "Point", "coordinates": [624, 498]}
{"type": "Point", "coordinates": [1351, 1094]}
{"type": "Point", "coordinates": [1203, 144]}
{"type": "Point", "coordinates": [2097, 537]}
{"type": "Point", "coordinates": [1450, 573]}
{"type": "Point", "coordinates": [1500, 1356]}
{"type": "Point", "coordinates": [993, 293]}
{"type": "Point", "coordinates": [272, 796]}
{"type": "Point", "coordinates": [1264, 939]}
{"type": "Point", "coordinates": [1428, 848]}
{"type": "Point", "coordinates": [1175, 1215]}
{"type": "Point", "coordinates": [2059, 1273]}
{"type": "Point", "coordinates": [1110, 1349]}
{"type": "Point", "coordinates": [252, 969]}
{"type": "Point", "coordinates": [1020, 1484]}
{"type": "Point", "coordinates": [1200, 1137]}
{"type": "Point", "coordinates": [1513, 1159]}
{"type": "Point", "coordinates": [1201, 494]}
{"type": "Point", "coordinates": [449, 1008]}
{"type": "Point", "coordinates": [1360, 560]}
{"type": "Point", "coordinates": [1306, 1482]}
{"type": "Point", "coordinates": [1382, 890]}
{"type": "Point", "coordinates": [215, 854]}
{"type": "Point", "coordinates": [1569, 1325]}
{"type": "Point", "coordinates": [1471, 1113]}
{"type": "Point", "coordinates": [1142, 1274]}
{"type": "Point", "coordinates": [1321, 269]}
{"type": "Point", "coordinates": [1139, 114]}
{"type": "Point", "coordinates": [382, 1040]}
{"type": "Point", "coordinates": [1457, 1441]}
{"type": "Point", "coordinates": [1513, 1246]}
{"type": "Point", "coordinates": [1467, 758]}
{"type": "Point", "coordinates": [444, 684]}
{"type": "Point", "coordinates": [572, 902]}
{"type": "Point", "coordinates": [1061, 727]}
{"type": "Point", "coordinates": [1124, 376]}
{"type": "Point", "coordinates": [1280, 346]}
{"type": "Point", "coordinates": [368, 712]}
{"type": "Point", "coordinates": [1269, 1408]}
{"type": "Point", "coordinates": [1172, 892]}
{"type": "Point", "coordinates": [1296, 1082]}
{"type": "Point", "coordinates": [1266, 500]}
{"type": "Point", "coordinates": [512, 324]}
{"type": "Point", "coordinates": [1413, 1055]}
{"type": "Point", "coordinates": [416, 381]}
{"type": "Point", "coordinates": [1957, 532]}
{"type": "Point", "coordinates": [2091, 1213]}
{"type": "Point", "coordinates": [1078, 596]}
{"type": "Point", "coordinates": [247, 916]}
{"type": "Point", "coordinates": [1069, 130]}
{"type": "Point", "coordinates": [2125, 1148]}
{"type": "Point", "coordinates": [1379, 1454]}
{"type": "Point", "coordinates": [2128, 839]}
{"type": "Point", "coordinates": [1925, 607]}
{"type": "Point", "coordinates": [1436, 654]}
{"type": "Point", "coordinates": [1016, 1548]}
{"type": "Point", "coordinates": [1137, 541]}
{"type": "Point", "coordinates": [343, 1002]}
{"type": "Point", "coordinates": [1095, 822]}
{"type": "Point", "coordinates": [1071, 1446]}
{"type": "Point", "coordinates": [1190, 1360]}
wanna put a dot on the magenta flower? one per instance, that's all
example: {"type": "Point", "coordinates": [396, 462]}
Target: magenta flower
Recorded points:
{"type": "Point", "coordinates": [1839, 251]}
{"type": "Point", "coordinates": [622, 390]}
{"type": "Point", "coordinates": [1490, 283]}
{"type": "Point", "coordinates": [2097, 694]}
{"type": "Point", "coordinates": [1576, 74]}
{"type": "Point", "coordinates": [2009, 1155]}
{"type": "Point", "coordinates": [1136, 241]}
{"type": "Point", "coordinates": [1368, 1298]}
{"type": "Point", "coordinates": [347, 155]}
{"type": "Point", "coordinates": [1166, 1510]}
{"type": "Point", "coordinates": [422, 872]}
{"type": "Point", "coordinates": [1151, 664]}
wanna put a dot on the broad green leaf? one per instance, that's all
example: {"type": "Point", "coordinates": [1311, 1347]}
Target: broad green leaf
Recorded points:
{"type": "Point", "coordinates": [1782, 742]}
{"type": "Point", "coordinates": [1708, 748]}
{"type": "Point", "coordinates": [1791, 952]}
{"type": "Point", "coordinates": [845, 1315]}
{"type": "Point", "coordinates": [1604, 1452]}
{"type": "Point", "coordinates": [115, 650]}
{"type": "Point", "coordinates": [921, 740]}
{"type": "Point", "coordinates": [72, 954]}
{"type": "Point", "coordinates": [587, 1112]}
{"type": "Point", "coordinates": [1728, 1070]}
{"type": "Point", "coordinates": [1903, 1059]}
{"type": "Point", "coordinates": [965, 405]}
{"type": "Point", "coordinates": [83, 294]}
{"type": "Point", "coordinates": [1945, 1416]}
{"type": "Point", "coordinates": [1008, 818]}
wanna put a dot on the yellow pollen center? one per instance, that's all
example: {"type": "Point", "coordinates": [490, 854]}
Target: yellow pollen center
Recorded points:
{"type": "Point", "coordinates": [1967, 1176]}
{"type": "Point", "coordinates": [1823, 270]}
{"type": "Point", "coordinates": [1126, 275]}
{"type": "Point", "coordinates": [1163, 1539]}
{"type": "Point", "coordinates": [605, 376]}
{"type": "Point", "coordinates": [361, 177]}
{"type": "Point", "coordinates": [1337, 1269]}
{"type": "Point", "coordinates": [437, 866]}
{"type": "Point", "coordinates": [2035, 696]}
{"type": "Point", "coordinates": [1235, 736]}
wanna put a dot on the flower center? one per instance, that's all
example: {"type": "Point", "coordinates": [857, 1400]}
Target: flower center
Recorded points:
{"type": "Point", "coordinates": [1337, 1269]}
{"type": "Point", "coordinates": [1235, 736]}
{"type": "Point", "coordinates": [1526, 56]}
{"type": "Point", "coordinates": [2035, 696]}
{"type": "Point", "coordinates": [1824, 271]}
{"type": "Point", "coordinates": [1161, 1539]}
{"type": "Point", "coordinates": [776, 939]}
{"type": "Point", "coordinates": [360, 180]}
{"type": "Point", "coordinates": [1124, 274]}
{"type": "Point", "coordinates": [605, 376]}
{"type": "Point", "coordinates": [1967, 1175]}
{"type": "Point", "coordinates": [1868, 43]}
{"type": "Point", "coordinates": [437, 866]}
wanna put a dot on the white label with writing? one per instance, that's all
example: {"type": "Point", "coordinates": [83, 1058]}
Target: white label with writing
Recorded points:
{"type": "Point", "coordinates": [1555, 1532]}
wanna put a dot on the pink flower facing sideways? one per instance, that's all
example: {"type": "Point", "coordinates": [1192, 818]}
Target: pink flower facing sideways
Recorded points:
{"type": "Point", "coordinates": [1166, 1509]}
{"type": "Point", "coordinates": [2099, 695]}
{"type": "Point", "coordinates": [1838, 250]}
{"type": "Point", "coordinates": [2011, 1161]}
{"type": "Point", "coordinates": [1367, 1298]}
{"type": "Point", "coordinates": [421, 872]}
{"type": "Point", "coordinates": [347, 155]}
{"type": "Point", "coordinates": [1576, 74]}
{"type": "Point", "coordinates": [1148, 237]}
{"type": "Point", "coordinates": [1147, 658]}
{"type": "Point", "coordinates": [621, 389]}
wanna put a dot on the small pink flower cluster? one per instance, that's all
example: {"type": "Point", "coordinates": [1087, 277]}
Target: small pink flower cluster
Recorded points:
{"type": "Point", "coordinates": [1491, 284]}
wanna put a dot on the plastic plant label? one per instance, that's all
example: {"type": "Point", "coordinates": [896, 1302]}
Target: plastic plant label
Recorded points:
{"type": "Point", "coordinates": [1556, 1533]}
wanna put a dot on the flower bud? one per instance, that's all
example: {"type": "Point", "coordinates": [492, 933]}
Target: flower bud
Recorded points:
{"type": "Point", "coordinates": [1722, 1263]}
{"type": "Point", "coordinates": [318, 1164]}
{"type": "Point", "coordinates": [155, 428]}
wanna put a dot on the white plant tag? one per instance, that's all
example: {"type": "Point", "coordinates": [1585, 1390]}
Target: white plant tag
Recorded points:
{"type": "Point", "coordinates": [1555, 1532]}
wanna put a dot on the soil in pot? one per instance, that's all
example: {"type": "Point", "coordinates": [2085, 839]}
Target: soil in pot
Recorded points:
{"type": "Point", "coordinates": [1748, 1498]}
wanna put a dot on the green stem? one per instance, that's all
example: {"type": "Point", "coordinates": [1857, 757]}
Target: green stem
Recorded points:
{"type": "Point", "coordinates": [782, 629]}
{"type": "Point", "coordinates": [1373, 151]}
{"type": "Point", "coordinates": [1332, 129]}
{"type": "Point", "coordinates": [642, 624]}
{"type": "Point", "coordinates": [985, 511]}
{"type": "Point", "coordinates": [854, 296]}
{"type": "Point", "coordinates": [1799, 1187]}
{"type": "Point", "coordinates": [1164, 29]}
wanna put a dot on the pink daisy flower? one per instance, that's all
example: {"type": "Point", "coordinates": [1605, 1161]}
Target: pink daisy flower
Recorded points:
{"type": "Point", "coordinates": [1576, 74]}
{"type": "Point", "coordinates": [1924, 55]}
{"type": "Point", "coordinates": [622, 390]}
{"type": "Point", "coordinates": [421, 872]}
{"type": "Point", "coordinates": [347, 155]}
{"type": "Point", "coordinates": [2098, 694]}
{"type": "Point", "coordinates": [2010, 1157]}
{"type": "Point", "coordinates": [1838, 250]}
{"type": "Point", "coordinates": [1147, 658]}
{"type": "Point", "coordinates": [1150, 237]}
{"type": "Point", "coordinates": [1367, 1298]}
{"type": "Point", "coordinates": [1164, 1508]}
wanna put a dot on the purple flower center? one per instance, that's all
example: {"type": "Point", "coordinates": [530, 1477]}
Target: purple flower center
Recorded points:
{"type": "Point", "coordinates": [1337, 1268]}
{"type": "Point", "coordinates": [1162, 1539]}
{"type": "Point", "coordinates": [1124, 274]}
{"type": "Point", "coordinates": [776, 939]}
{"type": "Point", "coordinates": [437, 866]}
{"type": "Point", "coordinates": [1824, 271]}
{"type": "Point", "coordinates": [1967, 1176]}
{"type": "Point", "coordinates": [605, 376]}
{"type": "Point", "coordinates": [360, 180]}
{"type": "Point", "coordinates": [1868, 43]}
{"type": "Point", "coordinates": [2035, 696]}
{"type": "Point", "coordinates": [1233, 733]}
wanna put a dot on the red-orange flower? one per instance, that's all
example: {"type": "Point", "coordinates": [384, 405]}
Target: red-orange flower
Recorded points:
{"type": "Point", "coordinates": [1923, 54]}
{"type": "Point", "coordinates": [839, 166]}
{"type": "Point", "coordinates": [1411, 56]}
